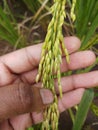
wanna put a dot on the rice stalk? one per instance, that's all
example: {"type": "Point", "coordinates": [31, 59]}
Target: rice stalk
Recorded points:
{"type": "Point", "coordinates": [51, 60]}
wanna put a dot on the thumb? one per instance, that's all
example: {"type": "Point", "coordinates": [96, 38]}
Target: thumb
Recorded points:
{"type": "Point", "coordinates": [21, 98]}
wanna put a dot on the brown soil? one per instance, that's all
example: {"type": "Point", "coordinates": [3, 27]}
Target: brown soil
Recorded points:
{"type": "Point", "coordinates": [91, 122]}
{"type": "Point", "coordinates": [5, 48]}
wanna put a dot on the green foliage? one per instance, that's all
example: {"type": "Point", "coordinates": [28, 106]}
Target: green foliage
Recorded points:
{"type": "Point", "coordinates": [6, 28]}
{"type": "Point", "coordinates": [38, 8]}
{"type": "Point", "coordinates": [8, 31]}
{"type": "Point", "coordinates": [85, 27]}
{"type": "Point", "coordinates": [86, 20]}
{"type": "Point", "coordinates": [51, 58]}
{"type": "Point", "coordinates": [83, 109]}
{"type": "Point", "coordinates": [31, 128]}
{"type": "Point", "coordinates": [36, 127]}
{"type": "Point", "coordinates": [94, 109]}
{"type": "Point", "coordinates": [16, 27]}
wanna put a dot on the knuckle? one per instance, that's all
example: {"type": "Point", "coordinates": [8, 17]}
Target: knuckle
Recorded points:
{"type": "Point", "coordinates": [31, 60]}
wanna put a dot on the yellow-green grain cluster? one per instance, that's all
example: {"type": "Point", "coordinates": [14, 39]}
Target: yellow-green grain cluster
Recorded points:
{"type": "Point", "coordinates": [72, 13]}
{"type": "Point", "coordinates": [51, 58]}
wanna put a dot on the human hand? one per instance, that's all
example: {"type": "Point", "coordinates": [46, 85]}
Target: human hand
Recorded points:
{"type": "Point", "coordinates": [18, 71]}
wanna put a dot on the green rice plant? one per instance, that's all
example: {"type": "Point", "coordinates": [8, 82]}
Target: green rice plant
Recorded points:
{"type": "Point", "coordinates": [31, 128]}
{"type": "Point", "coordinates": [8, 11]}
{"type": "Point", "coordinates": [86, 20]}
{"type": "Point", "coordinates": [35, 127]}
{"type": "Point", "coordinates": [83, 109]}
{"type": "Point", "coordinates": [84, 14]}
{"type": "Point", "coordinates": [84, 24]}
{"type": "Point", "coordinates": [21, 25]}
{"type": "Point", "coordinates": [36, 7]}
{"type": "Point", "coordinates": [51, 59]}
{"type": "Point", "coordinates": [94, 109]}
{"type": "Point", "coordinates": [8, 30]}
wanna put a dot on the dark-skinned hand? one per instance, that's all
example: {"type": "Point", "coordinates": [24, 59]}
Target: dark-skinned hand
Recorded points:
{"type": "Point", "coordinates": [22, 100]}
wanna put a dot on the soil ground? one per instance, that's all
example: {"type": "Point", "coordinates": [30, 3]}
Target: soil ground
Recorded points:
{"type": "Point", "coordinates": [5, 48]}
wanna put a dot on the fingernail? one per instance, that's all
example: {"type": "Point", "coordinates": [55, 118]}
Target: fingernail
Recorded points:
{"type": "Point", "coordinates": [46, 95]}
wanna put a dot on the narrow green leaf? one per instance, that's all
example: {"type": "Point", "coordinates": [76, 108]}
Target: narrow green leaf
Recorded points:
{"type": "Point", "coordinates": [83, 109]}
{"type": "Point", "coordinates": [91, 31]}
{"type": "Point", "coordinates": [8, 11]}
{"type": "Point", "coordinates": [7, 24]}
{"type": "Point", "coordinates": [81, 15]}
{"type": "Point", "coordinates": [87, 13]}
{"type": "Point", "coordinates": [94, 11]}
{"type": "Point", "coordinates": [86, 22]}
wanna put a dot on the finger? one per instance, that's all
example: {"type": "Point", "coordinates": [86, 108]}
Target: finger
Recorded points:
{"type": "Point", "coordinates": [70, 99]}
{"type": "Point", "coordinates": [5, 76]}
{"type": "Point", "coordinates": [78, 60]}
{"type": "Point", "coordinates": [86, 80]}
{"type": "Point", "coordinates": [21, 98]}
{"type": "Point", "coordinates": [22, 122]}
{"type": "Point", "coordinates": [5, 125]}
{"type": "Point", "coordinates": [28, 58]}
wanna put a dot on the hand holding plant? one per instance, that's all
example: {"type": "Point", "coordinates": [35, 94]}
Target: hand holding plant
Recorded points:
{"type": "Point", "coordinates": [20, 67]}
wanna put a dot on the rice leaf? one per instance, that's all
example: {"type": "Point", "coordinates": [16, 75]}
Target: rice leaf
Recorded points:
{"type": "Point", "coordinates": [91, 31]}
{"type": "Point", "coordinates": [83, 109]}
{"type": "Point", "coordinates": [87, 19]}
{"type": "Point", "coordinates": [8, 31]}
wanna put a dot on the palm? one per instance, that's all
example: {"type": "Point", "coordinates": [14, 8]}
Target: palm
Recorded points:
{"type": "Point", "coordinates": [20, 67]}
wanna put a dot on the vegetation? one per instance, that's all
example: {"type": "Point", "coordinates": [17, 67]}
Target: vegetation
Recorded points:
{"type": "Point", "coordinates": [26, 23]}
{"type": "Point", "coordinates": [51, 60]}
